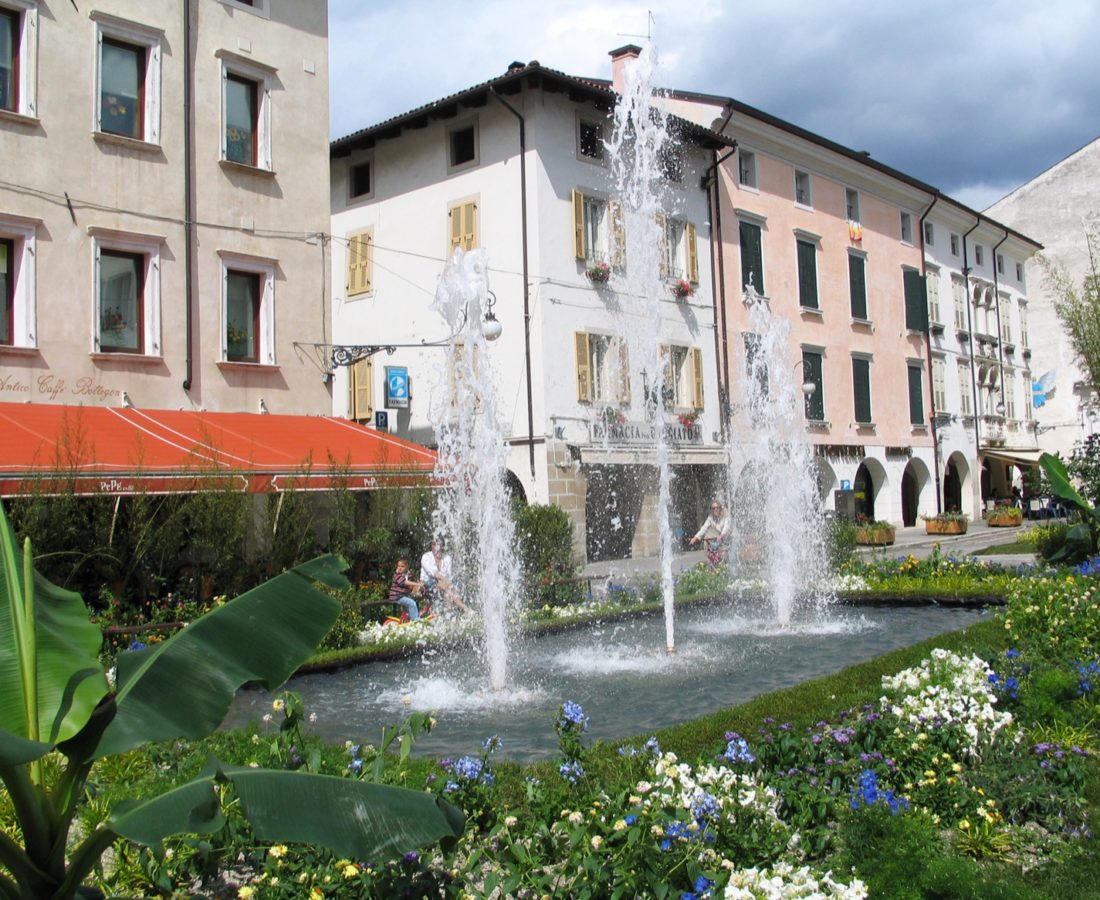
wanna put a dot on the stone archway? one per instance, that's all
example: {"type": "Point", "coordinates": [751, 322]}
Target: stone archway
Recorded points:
{"type": "Point", "coordinates": [956, 480]}
{"type": "Point", "coordinates": [915, 481]}
{"type": "Point", "coordinates": [827, 482]}
{"type": "Point", "coordinates": [869, 481]}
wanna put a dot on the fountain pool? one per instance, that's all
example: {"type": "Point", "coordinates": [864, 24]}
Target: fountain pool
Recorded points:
{"type": "Point", "coordinates": [618, 672]}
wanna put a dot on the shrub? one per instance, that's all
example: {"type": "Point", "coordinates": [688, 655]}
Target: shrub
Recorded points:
{"type": "Point", "coordinates": [545, 536]}
{"type": "Point", "coordinates": [345, 630]}
{"type": "Point", "coordinates": [840, 542]}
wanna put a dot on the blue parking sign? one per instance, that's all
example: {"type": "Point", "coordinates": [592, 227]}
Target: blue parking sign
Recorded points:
{"type": "Point", "coordinates": [397, 387]}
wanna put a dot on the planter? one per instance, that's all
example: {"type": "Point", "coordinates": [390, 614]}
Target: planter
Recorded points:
{"type": "Point", "coordinates": [950, 526]}
{"type": "Point", "coordinates": [875, 537]}
{"type": "Point", "coordinates": [1005, 517]}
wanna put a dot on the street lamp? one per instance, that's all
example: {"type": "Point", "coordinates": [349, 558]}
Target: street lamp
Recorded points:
{"type": "Point", "coordinates": [809, 385]}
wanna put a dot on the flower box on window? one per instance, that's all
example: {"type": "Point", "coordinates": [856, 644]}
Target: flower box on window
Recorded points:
{"type": "Point", "coordinates": [598, 272]}
{"type": "Point", "coordinates": [682, 289]}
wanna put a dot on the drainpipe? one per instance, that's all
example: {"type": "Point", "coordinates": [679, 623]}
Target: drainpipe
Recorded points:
{"type": "Point", "coordinates": [973, 369]}
{"type": "Point", "coordinates": [188, 197]}
{"type": "Point", "coordinates": [1000, 332]}
{"type": "Point", "coordinates": [928, 354]}
{"type": "Point", "coordinates": [526, 281]}
{"type": "Point", "coordinates": [718, 283]}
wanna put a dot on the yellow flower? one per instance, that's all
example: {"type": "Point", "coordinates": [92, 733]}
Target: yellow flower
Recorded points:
{"type": "Point", "coordinates": [596, 841]}
{"type": "Point", "coordinates": [316, 894]}
{"type": "Point", "coordinates": [278, 705]}
{"type": "Point", "coordinates": [351, 870]}
{"type": "Point", "coordinates": [620, 825]}
{"type": "Point", "coordinates": [245, 892]}
{"type": "Point", "coordinates": [510, 821]}
{"type": "Point", "coordinates": [278, 851]}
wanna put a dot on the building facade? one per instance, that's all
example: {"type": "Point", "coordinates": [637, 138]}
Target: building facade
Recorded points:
{"type": "Point", "coordinates": [162, 235]}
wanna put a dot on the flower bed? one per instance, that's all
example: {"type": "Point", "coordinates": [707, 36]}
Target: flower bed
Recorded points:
{"type": "Point", "coordinates": [1004, 517]}
{"type": "Point", "coordinates": [946, 523]}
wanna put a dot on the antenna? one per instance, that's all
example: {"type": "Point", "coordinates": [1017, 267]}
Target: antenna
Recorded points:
{"type": "Point", "coordinates": [650, 22]}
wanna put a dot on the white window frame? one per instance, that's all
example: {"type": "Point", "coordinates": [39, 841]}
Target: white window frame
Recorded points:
{"type": "Point", "coordinates": [149, 246]}
{"type": "Point", "coordinates": [27, 54]}
{"type": "Point", "coordinates": [906, 227]}
{"type": "Point", "coordinates": [929, 234]}
{"type": "Point", "coordinates": [367, 160]}
{"type": "Point", "coordinates": [265, 268]}
{"type": "Point", "coordinates": [932, 285]}
{"type": "Point", "coordinates": [966, 389]}
{"type": "Point", "coordinates": [263, 76]}
{"type": "Point", "coordinates": [597, 229]}
{"type": "Point", "coordinates": [680, 361]}
{"type": "Point", "coordinates": [1000, 264]}
{"type": "Point", "coordinates": [1004, 304]}
{"type": "Point", "coordinates": [1010, 396]}
{"type": "Point", "coordinates": [605, 358]}
{"type": "Point", "coordinates": [958, 298]}
{"type": "Point", "coordinates": [852, 205]}
{"type": "Point", "coordinates": [806, 201]}
{"type": "Point", "coordinates": [107, 26]}
{"type": "Point", "coordinates": [22, 232]}
{"type": "Point", "coordinates": [1023, 326]}
{"type": "Point", "coordinates": [1020, 272]}
{"type": "Point", "coordinates": [954, 245]}
{"type": "Point", "coordinates": [471, 122]}
{"type": "Point", "coordinates": [676, 249]}
{"type": "Point", "coordinates": [746, 166]}
{"type": "Point", "coordinates": [590, 119]}
{"type": "Point", "coordinates": [979, 255]}
{"type": "Point", "coordinates": [259, 8]}
{"type": "Point", "coordinates": [939, 383]}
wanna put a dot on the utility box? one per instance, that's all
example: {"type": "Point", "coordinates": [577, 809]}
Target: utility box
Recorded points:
{"type": "Point", "coordinates": [844, 502]}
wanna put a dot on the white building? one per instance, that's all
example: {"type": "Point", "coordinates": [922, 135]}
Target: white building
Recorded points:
{"type": "Point", "coordinates": [517, 165]}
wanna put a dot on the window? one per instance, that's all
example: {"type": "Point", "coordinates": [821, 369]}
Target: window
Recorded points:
{"type": "Point", "coordinates": [360, 181]}
{"type": "Point", "coordinates": [929, 235]}
{"type": "Point", "coordinates": [681, 259]}
{"type": "Point", "coordinates": [916, 301]}
{"type": "Point", "coordinates": [360, 393]}
{"type": "Point", "coordinates": [127, 79]}
{"type": "Point", "coordinates": [259, 7]}
{"type": "Point", "coordinates": [958, 293]}
{"type": "Point", "coordinates": [1000, 264]}
{"type": "Point", "coordinates": [1020, 272]}
{"type": "Point", "coordinates": [603, 369]}
{"type": "Point", "coordinates": [463, 225]}
{"type": "Point", "coordinates": [802, 195]}
{"type": "Point", "coordinates": [248, 309]}
{"type": "Point", "coordinates": [127, 293]}
{"type": "Point", "coordinates": [932, 290]}
{"type": "Point", "coordinates": [906, 228]}
{"type": "Point", "coordinates": [756, 369]}
{"type": "Point", "coordinates": [683, 386]}
{"type": "Point", "coordinates": [851, 204]}
{"type": "Point", "coordinates": [965, 390]}
{"type": "Point", "coordinates": [672, 160]}
{"type": "Point", "coordinates": [857, 285]}
{"type": "Point", "coordinates": [597, 229]}
{"type": "Point", "coordinates": [746, 168]}
{"type": "Point", "coordinates": [18, 57]}
{"type": "Point", "coordinates": [811, 372]}
{"type": "Point", "coordinates": [954, 245]}
{"type": "Point", "coordinates": [1023, 327]}
{"type": "Point", "coordinates": [916, 395]}
{"type": "Point", "coordinates": [752, 256]}
{"type": "Point", "coordinates": [1005, 309]}
{"type": "Point", "coordinates": [17, 274]}
{"type": "Point", "coordinates": [590, 140]}
{"type": "Point", "coordinates": [246, 112]}
{"type": "Point", "coordinates": [939, 383]}
{"type": "Point", "coordinates": [462, 150]}
{"type": "Point", "coordinates": [979, 255]}
{"type": "Point", "coordinates": [359, 262]}
{"type": "Point", "coordinates": [861, 389]}
{"type": "Point", "coordinates": [807, 274]}
{"type": "Point", "coordinates": [1010, 395]}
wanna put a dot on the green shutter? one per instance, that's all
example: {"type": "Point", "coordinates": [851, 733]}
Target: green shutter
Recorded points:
{"type": "Point", "coordinates": [752, 256]}
{"type": "Point", "coordinates": [916, 301]}
{"type": "Point", "coordinates": [807, 274]}
{"type": "Point", "coordinates": [811, 371]}
{"type": "Point", "coordinates": [861, 386]}
{"type": "Point", "coordinates": [916, 398]}
{"type": "Point", "coordinates": [857, 285]}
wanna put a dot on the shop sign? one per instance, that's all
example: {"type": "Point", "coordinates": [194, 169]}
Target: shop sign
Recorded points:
{"type": "Point", "coordinates": [643, 434]}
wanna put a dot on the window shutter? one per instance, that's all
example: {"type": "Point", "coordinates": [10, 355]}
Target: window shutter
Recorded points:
{"type": "Point", "coordinates": [692, 254]}
{"type": "Point", "coordinates": [807, 274]}
{"type": "Point", "coordinates": [861, 384]}
{"type": "Point", "coordinates": [932, 287]}
{"type": "Point", "coordinates": [359, 263]}
{"type": "Point", "coordinates": [360, 406]}
{"type": "Point", "coordinates": [916, 398]}
{"type": "Point", "coordinates": [584, 367]}
{"type": "Point", "coordinates": [752, 256]}
{"type": "Point", "coordinates": [662, 227]}
{"type": "Point", "coordinates": [469, 226]}
{"type": "Point", "coordinates": [267, 319]}
{"type": "Point", "coordinates": [618, 234]}
{"type": "Point", "coordinates": [579, 249]}
{"type": "Point", "coordinates": [916, 302]}
{"type": "Point", "coordinates": [669, 385]}
{"type": "Point", "coordinates": [624, 371]}
{"type": "Point", "coordinates": [857, 283]}
{"type": "Point", "coordinates": [456, 227]}
{"type": "Point", "coordinates": [697, 372]}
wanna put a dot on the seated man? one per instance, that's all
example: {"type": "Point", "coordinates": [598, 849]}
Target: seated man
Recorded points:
{"type": "Point", "coordinates": [436, 573]}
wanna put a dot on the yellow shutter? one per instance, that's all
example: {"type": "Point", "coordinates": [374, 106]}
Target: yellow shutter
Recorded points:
{"type": "Point", "coordinates": [697, 372]}
{"type": "Point", "coordinates": [359, 263]}
{"type": "Point", "coordinates": [618, 235]}
{"type": "Point", "coordinates": [455, 214]}
{"type": "Point", "coordinates": [692, 254]}
{"type": "Point", "coordinates": [624, 371]}
{"type": "Point", "coordinates": [662, 225]}
{"type": "Point", "coordinates": [579, 249]}
{"type": "Point", "coordinates": [360, 405]}
{"type": "Point", "coordinates": [584, 368]}
{"type": "Point", "coordinates": [469, 225]}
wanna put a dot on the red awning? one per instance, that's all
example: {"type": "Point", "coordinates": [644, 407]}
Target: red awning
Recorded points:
{"type": "Point", "coordinates": [93, 449]}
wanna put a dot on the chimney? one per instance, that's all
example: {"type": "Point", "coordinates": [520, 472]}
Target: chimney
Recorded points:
{"type": "Point", "coordinates": [619, 60]}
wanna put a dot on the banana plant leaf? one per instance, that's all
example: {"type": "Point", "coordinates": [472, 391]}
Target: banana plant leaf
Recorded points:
{"type": "Point", "coordinates": [50, 675]}
{"type": "Point", "coordinates": [356, 819]}
{"type": "Point", "coordinates": [1058, 475]}
{"type": "Point", "coordinates": [182, 688]}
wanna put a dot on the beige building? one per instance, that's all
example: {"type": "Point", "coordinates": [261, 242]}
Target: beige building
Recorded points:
{"type": "Point", "coordinates": [121, 121]}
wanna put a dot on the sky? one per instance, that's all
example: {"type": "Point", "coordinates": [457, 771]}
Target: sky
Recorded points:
{"type": "Point", "coordinates": [975, 97]}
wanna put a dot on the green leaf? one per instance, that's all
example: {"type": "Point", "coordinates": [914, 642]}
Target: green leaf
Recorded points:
{"type": "Point", "coordinates": [184, 686]}
{"type": "Point", "coordinates": [355, 819]}
{"type": "Point", "coordinates": [1058, 476]}
{"type": "Point", "coordinates": [50, 676]}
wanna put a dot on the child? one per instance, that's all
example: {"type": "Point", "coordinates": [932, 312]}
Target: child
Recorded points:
{"type": "Point", "coordinates": [401, 590]}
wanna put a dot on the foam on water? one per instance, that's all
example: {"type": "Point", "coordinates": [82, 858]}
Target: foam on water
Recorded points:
{"type": "Point", "coordinates": [449, 695]}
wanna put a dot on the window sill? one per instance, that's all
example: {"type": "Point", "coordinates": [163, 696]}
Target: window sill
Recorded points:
{"type": "Point", "coordinates": [812, 311]}
{"type": "Point", "coordinates": [863, 323]}
{"type": "Point", "coordinates": [141, 359]}
{"type": "Point", "coordinates": [818, 425]}
{"type": "Point", "coordinates": [865, 426]}
{"type": "Point", "coordinates": [581, 157]}
{"type": "Point", "coordinates": [14, 350]}
{"type": "Point", "coordinates": [241, 366]}
{"type": "Point", "coordinates": [919, 429]}
{"type": "Point", "coordinates": [120, 140]}
{"type": "Point", "coordinates": [18, 118]}
{"type": "Point", "coordinates": [935, 328]}
{"type": "Point", "coordinates": [231, 166]}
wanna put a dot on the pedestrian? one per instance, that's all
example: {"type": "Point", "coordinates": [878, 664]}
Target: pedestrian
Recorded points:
{"type": "Point", "coordinates": [713, 533]}
{"type": "Point", "coordinates": [436, 572]}
{"type": "Point", "coordinates": [402, 588]}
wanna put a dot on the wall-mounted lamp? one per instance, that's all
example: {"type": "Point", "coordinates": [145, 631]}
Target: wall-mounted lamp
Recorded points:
{"type": "Point", "coordinates": [809, 386]}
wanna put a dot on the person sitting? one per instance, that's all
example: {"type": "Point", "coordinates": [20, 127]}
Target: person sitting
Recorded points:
{"type": "Point", "coordinates": [713, 533]}
{"type": "Point", "coordinates": [436, 570]}
{"type": "Point", "coordinates": [402, 588]}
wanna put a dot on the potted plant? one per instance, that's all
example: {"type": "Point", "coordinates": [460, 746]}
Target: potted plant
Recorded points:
{"type": "Point", "coordinates": [1004, 516]}
{"type": "Point", "coordinates": [598, 272]}
{"type": "Point", "coordinates": [688, 419]}
{"type": "Point", "coordinates": [946, 523]}
{"type": "Point", "coordinates": [612, 416]}
{"type": "Point", "coordinates": [873, 532]}
{"type": "Point", "coordinates": [682, 289]}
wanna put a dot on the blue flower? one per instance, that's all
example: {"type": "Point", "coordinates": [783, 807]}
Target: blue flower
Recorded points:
{"type": "Point", "coordinates": [572, 714]}
{"type": "Point", "coordinates": [737, 750]}
{"type": "Point", "coordinates": [571, 771]}
{"type": "Point", "coordinates": [136, 645]}
{"type": "Point", "coordinates": [492, 744]}
{"type": "Point", "coordinates": [630, 820]}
